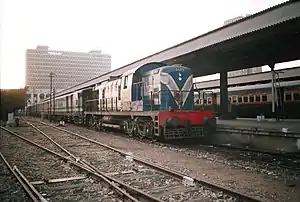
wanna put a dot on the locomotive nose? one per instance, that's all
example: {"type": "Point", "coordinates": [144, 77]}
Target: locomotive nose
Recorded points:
{"type": "Point", "coordinates": [173, 121]}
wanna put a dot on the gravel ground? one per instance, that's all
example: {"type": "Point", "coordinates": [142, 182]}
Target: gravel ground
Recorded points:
{"type": "Point", "coordinates": [277, 167]}
{"type": "Point", "coordinates": [205, 166]}
{"type": "Point", "coordinates": [11, 190]}
{"type": "Point", "coordinates": [38, 165]}
{"type": "Point", "coordinates": [153, 182]}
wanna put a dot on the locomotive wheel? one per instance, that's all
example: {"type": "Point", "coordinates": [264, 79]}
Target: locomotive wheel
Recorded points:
{"type": "Point", "coordinates": [129, 127]}
{"type": "Point", "coordinates": [134, 129]}
{"type": "Point", "coordinates": [159, 138]}
{"type": "Point", "coordinates": [148, 129]}
{"type": "Point", "coordinates": [98, 125]}
{"type": "Point", "coordinates": [154, 138]}
{"type": "Point", "coordinates": [142, 132]}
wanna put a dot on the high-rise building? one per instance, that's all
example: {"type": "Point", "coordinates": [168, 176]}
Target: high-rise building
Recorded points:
{"type": "Point", "coordinates": [68, 68]}
{"type": "Point", "coordinates": [242, 71]}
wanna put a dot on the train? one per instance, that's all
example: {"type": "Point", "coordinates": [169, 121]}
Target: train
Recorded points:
{"type": "Point", "coordinates": [154, 100]}
{"type": "Point", "coordinates": [250, 101]}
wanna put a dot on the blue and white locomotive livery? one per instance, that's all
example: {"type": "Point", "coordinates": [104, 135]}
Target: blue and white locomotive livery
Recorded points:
{"type": "Point", "coordinates": [155, 100]}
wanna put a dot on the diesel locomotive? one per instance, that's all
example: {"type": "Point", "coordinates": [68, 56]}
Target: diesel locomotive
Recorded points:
{"type": "Point", "coordinates": [154, 100]}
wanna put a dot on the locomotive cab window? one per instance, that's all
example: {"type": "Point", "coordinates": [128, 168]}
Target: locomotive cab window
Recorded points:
{"type": "Point", "coordinates": [125, 82]}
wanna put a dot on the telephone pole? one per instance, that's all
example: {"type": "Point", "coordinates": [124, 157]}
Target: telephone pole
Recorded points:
{"type": "Point", "coordinates": [50, 114]}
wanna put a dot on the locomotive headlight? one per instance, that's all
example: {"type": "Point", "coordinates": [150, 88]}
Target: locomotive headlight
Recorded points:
{"type": "Point", "coordinates": [179, 78]}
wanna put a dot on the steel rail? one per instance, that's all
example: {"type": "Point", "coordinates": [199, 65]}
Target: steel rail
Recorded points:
{"type": "Point", "coordinates": [171, 172]}
{"type": "Point", "coordinates": [27, 189]}
{"type": "Point", "coordinates": [42, 199]}
{"type": "Point", "coordinates": [108, 179]}
{"type": "Point", "coordinates": [82, 161]}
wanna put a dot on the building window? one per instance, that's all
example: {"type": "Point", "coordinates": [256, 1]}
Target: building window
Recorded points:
{"type": "Point", "coordinates": [240, 99]}
{"type": "Point", "coordinates": [257, 98]}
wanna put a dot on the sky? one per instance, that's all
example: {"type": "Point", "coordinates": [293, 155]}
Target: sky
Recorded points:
{"type": "Point", "coordinates": [127, 30]}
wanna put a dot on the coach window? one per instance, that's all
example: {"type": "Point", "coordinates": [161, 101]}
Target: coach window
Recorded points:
{"type": "Point", "coordinates": [103, 93]}
{"type": "Point", "coordinates": [119, 92]}
{"type": "Point", "coordinates": [251, 98]}
{"type": "Point", "coordinates": [233, 99]}
{"type": "Point", "coordinates": [201, 101]}
{"type": "Point", "coordinates": [264, 98]}
{"type": "Point", "coordinates": [288, 96]}
{"type": "Point", "coordinates": [257, 98]}
{"type": "Point", "coordinates": [209, 100]}
{"type": "Point", "coordinates": [296, 96]}
{"type": "Point", "coordinates": [240, 99]}
{"type": "Point", "coordinates": [125, 82]}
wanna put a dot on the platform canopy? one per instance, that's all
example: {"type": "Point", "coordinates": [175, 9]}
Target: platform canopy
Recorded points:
{"type": "Point", "coordinates": [270, 36]}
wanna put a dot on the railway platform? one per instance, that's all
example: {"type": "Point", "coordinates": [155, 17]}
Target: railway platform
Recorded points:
{"type": "Point", "coordinates": [271, 125]}
{"type": "Point", "coordinates": [268, 135]}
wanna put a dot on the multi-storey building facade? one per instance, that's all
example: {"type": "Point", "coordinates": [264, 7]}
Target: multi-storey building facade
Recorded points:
{"type": "Point", "coordinates": [68, 68]}
{"type": "Point", "coordinates": [242, 71]}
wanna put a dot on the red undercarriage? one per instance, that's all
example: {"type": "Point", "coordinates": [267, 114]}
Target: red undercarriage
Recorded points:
{"type": "Point", "coordinates": [195, 117]}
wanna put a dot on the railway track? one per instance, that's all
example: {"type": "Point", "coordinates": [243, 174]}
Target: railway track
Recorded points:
{"type": "Point", "coordinates": [45, 178]}
{"type": "Point", "coordinates": [284, 164]}
{"type": "Point", "coordinates": [161, 183]}
{"type": "Point", "coordinates": [288, 161]}
{"type": "Point", "coordinates": [13, 182]}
